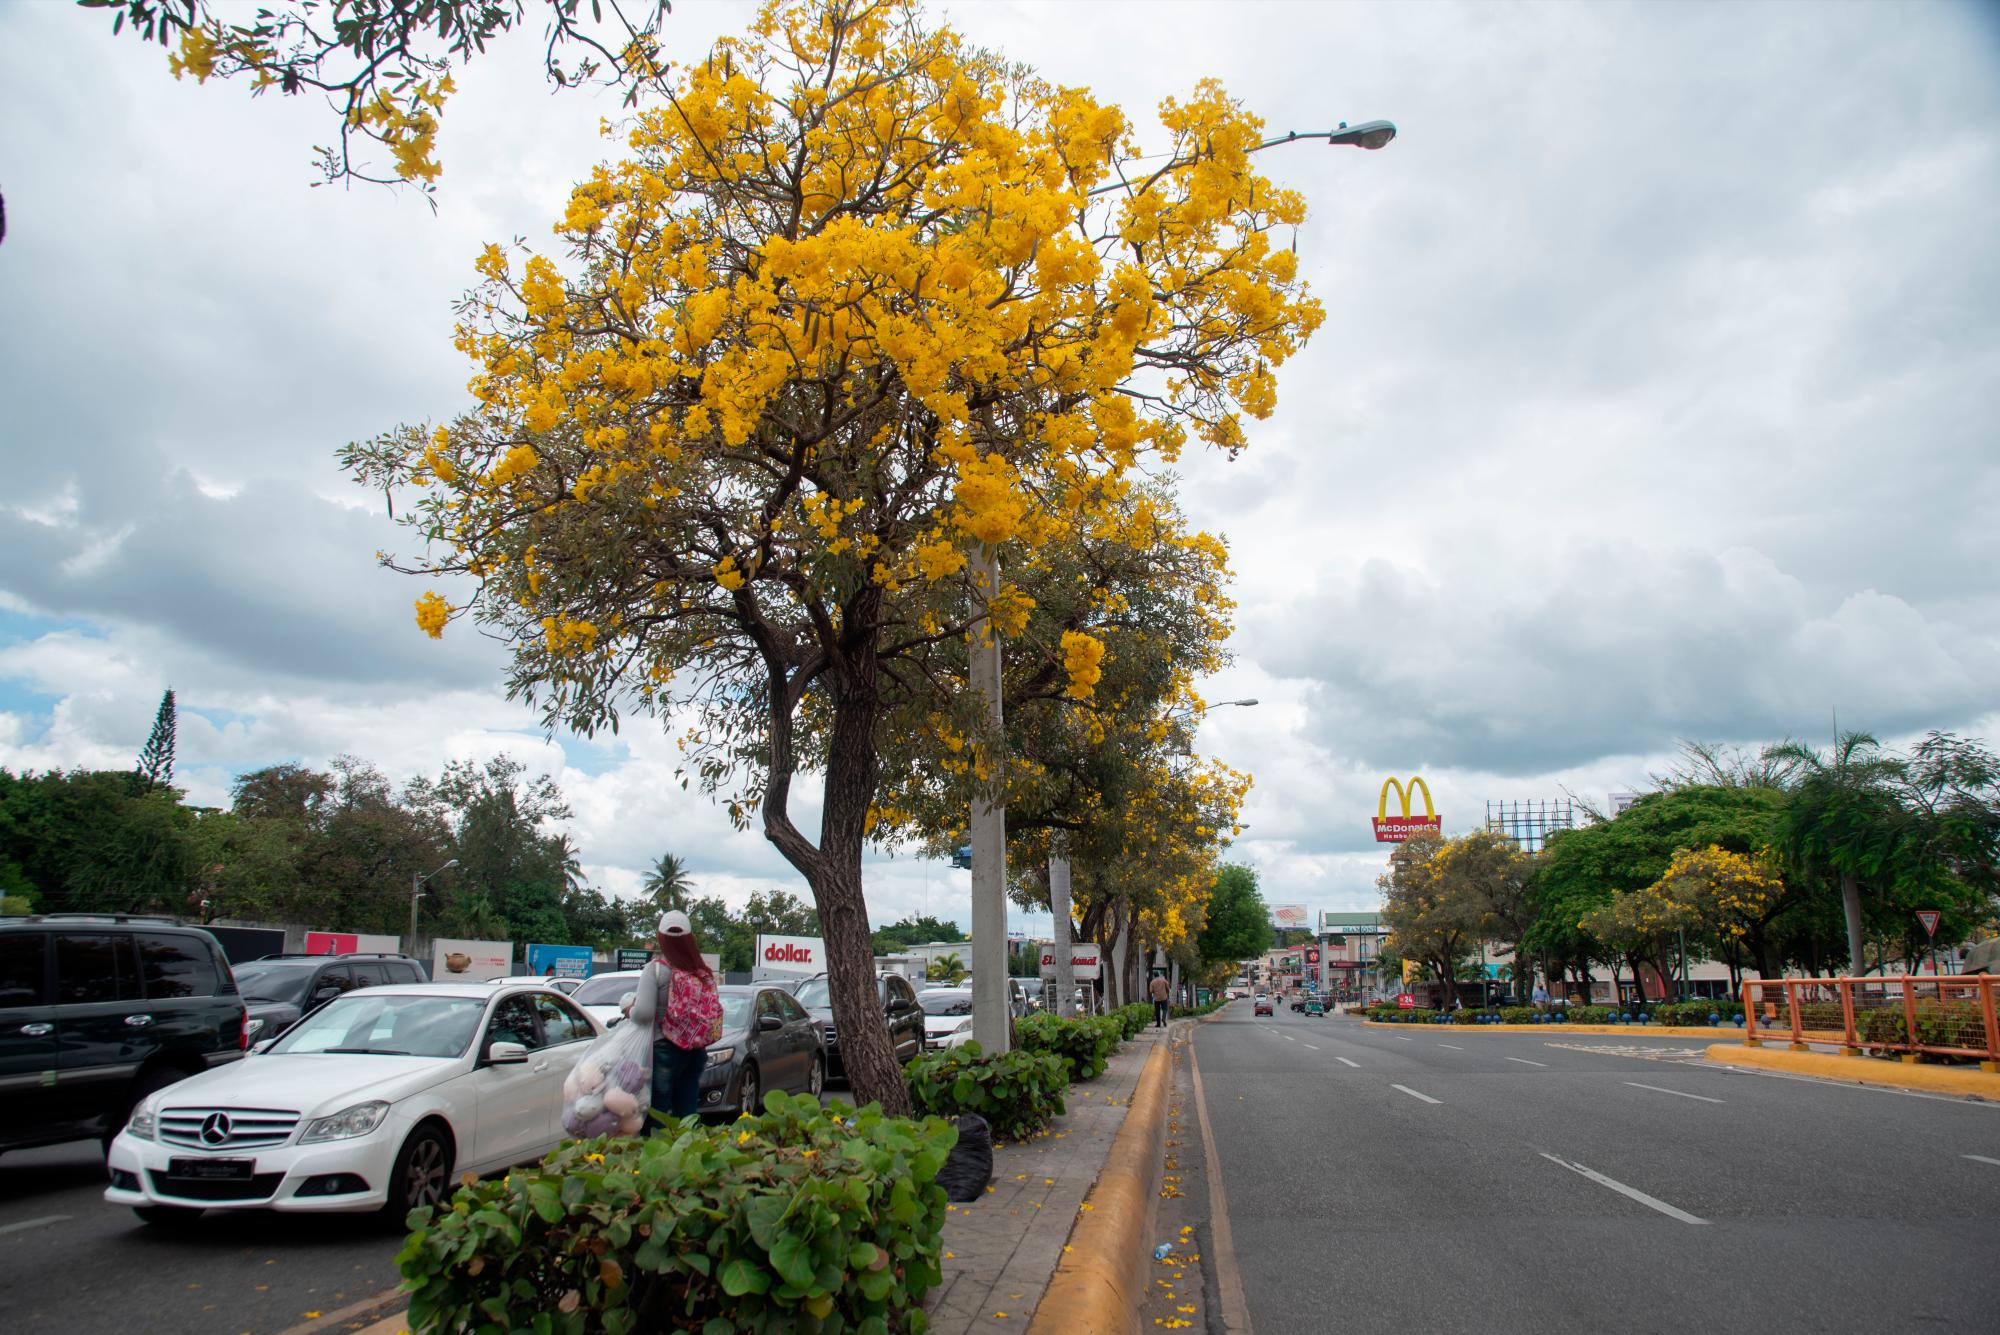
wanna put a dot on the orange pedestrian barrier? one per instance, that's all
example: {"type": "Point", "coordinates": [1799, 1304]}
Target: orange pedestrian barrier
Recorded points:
{"type": "Point", "coordinates": [1950, 1016]}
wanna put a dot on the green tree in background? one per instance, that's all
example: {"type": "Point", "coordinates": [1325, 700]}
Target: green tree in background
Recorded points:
{"type": "Point", "coordinates": [915, 931]}
{"type": "Point", "coordinates": [156, 761]}
{"type": "Point", "coordinates": [1239, 923]}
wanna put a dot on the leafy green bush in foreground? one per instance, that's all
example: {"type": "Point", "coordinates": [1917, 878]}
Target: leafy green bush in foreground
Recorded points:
{"type": "Point", "coordinates": [1016, 1092]}
{"type": "Point", "coordinates": [1086, 1044]}
{"type": "Point", "coordinates": [801, 1219]}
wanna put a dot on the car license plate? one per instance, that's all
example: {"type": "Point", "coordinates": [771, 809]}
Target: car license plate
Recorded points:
{"type": "Point", "coordinates": [212, 1170]}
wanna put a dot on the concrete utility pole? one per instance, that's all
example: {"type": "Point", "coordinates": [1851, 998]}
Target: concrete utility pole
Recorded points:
{"type": "Point", "coordinates": [1065, 979]}
{"type": "Point", "coordinates": [989, 826]}
{"type": "Point", "coordinates": [416, 891]}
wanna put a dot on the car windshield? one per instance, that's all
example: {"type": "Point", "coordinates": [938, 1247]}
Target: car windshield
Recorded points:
{"type": "Point", "coordinates": [396, 1024]}
{"type": "Point", "coordinates": [945, 1002]}
{"type": "Point", "coordinates": [812, 994]}
{"type": "Point", "coordinates": [273, 980]}
{"type": "Point", "coordinates": [607, 989]}
{"type": "Point", "coordinates": [735, 1009]}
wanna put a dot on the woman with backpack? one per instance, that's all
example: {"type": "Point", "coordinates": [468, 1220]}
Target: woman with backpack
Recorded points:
{"type": "Point", "coordinates": [677, 1001]}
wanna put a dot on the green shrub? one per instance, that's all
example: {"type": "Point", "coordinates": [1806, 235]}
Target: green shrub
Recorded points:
{"type": "Point", "coordinates": [1016, 1092]}
{"type": "Point", "coordinates": [1695, 1013]}
{"type": "Point", "coordinates": [1134, 1018]}
{"type": "Point", "coordinates": [1191, 1012]}
{"type": "Point", "coordinates": [1585, 1014]}
{"type": "Point", "coordinates": [1085, 1043]}
{"type": "Point", "coordinates": [802, 1218]}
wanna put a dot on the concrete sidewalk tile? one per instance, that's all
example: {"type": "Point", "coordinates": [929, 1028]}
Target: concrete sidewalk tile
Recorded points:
{"type": "Point", "coordinates": [1005, 1246]}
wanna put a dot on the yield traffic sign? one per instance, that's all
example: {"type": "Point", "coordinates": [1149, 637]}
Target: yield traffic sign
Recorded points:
{"type": "Point", "coordinates": [1929, 918]}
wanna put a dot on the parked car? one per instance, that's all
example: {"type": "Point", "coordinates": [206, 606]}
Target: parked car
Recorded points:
{"type": "Point", "coordinates": [899, 1007]}
{"type": "Point", "coordinates": [278, 989]}
{"type": "Point", "coordinates": [948, 1018]}
{"type": "Point", "coordinates": [769, 1041]}
{"type": "Point", "coordinates": [566, 986]}
{"type": "Point", "coordinates": [100, 1011]}
{"type": "Point", "coordinates": [603, 994]}
{"type": "Point", "coordinates": [1263, 1006]}
{"type": "Point", "coordinates": [374, 1101]}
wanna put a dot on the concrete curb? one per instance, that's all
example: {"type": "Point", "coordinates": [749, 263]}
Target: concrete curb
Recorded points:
{"type": "Point", "coordinates": [1669, 1030]}
{"type": "Point", "coordinates": [1100, 1282]}
{"type": "Point", "coordinates": [1861, 1070]}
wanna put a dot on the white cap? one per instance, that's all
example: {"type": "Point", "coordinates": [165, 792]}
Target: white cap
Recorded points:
{"type": "Point", "coordinates": [674, 923]}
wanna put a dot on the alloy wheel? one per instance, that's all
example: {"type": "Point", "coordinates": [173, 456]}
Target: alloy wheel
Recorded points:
{"type": "Point", "coordinates": [426, 1172]}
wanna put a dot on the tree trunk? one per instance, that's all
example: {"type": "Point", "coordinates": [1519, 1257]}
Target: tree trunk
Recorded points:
{"type": "Point", "coordinates": [1121, 946]}
{"type": "Point", "coordinates": [1850, 903]}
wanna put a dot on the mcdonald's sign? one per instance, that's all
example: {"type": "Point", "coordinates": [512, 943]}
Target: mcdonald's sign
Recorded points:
{"type": "Point", "coordinates": [1395, 829]}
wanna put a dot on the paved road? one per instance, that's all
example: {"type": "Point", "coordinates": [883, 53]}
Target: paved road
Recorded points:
{"type": "Point", "coordinates": [1384, 1179]}
{"type": "Point", "coordinates": [71, 1263]}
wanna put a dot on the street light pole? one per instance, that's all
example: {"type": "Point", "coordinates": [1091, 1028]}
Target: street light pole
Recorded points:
{"type": "Point", "coordinates": [416, 889]}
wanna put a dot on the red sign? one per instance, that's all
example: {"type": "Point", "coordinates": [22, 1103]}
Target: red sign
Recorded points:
{"type": "Point", "coordinates": [1312, 955]}
{"type": "Point", "coordinates": [332, 943]}
{"type": "Point", "coordinates": [1395, 829]}
{"type": "Point", "coordinates": [1929, 918]}
{"type": "Point", "coordinates": [1343, 964]}
{"type": "Point", "coordinates": [1404, 1001]}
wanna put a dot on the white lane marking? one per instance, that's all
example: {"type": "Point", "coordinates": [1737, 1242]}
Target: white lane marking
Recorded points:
{"type": "Point", "coordinates": [1309, 1047]}
{"type": "Point", "coordinates": [1401, 1039]}
{"type": "Point", "coordinates": [1290, 1039]}
{"type": "Point", "coordinates": [1525, 1062]}
{"type": "Point", "coordinates": [1348, 1062]}
{"type": "Point", "coordinates": [1980, 1158]}
{"type": "Point", "coordinates": [1679, 1094]}
{"type": "Point", "coordinates": [1413, 1093]}
{"type": "Point", "coordinates": [33, 1223]}
{"type": "Point", "coordinates": [1650, 1202]}
{"type": "Point", "coordinates": [1453, 1046]}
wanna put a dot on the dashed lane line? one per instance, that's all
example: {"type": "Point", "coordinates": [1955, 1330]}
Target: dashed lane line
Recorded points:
{"type": "Point", "coordinates": [1309, 1047]}
{"type": "Point", "coordinates": [1977, 1158]}
{"type": "Point", "coordinates": [1344, 1061]}
{"type": "Point", "coordinates": [33, 1223]}
{"type": "Point", "coordinates": [1679, 1094]}
{"type": "Point", "coordinates": [1413, 1094]}
{"type": "Point", "coordinates": [1525, 1062]}
{"type": "Point", "coordinates": [1650, 1202]}
{"type": "Point", "coordinates": [1453, 1046]}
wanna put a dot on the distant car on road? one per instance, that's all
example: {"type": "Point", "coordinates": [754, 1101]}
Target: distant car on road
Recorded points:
{"type": "Point", "coordinates": [98, 1011]}
{"type": "Point", "coordinates": [1314, 1006]}
{"type": "Point", "coordinates": [1263, 1006]}
{"type": "Point", "coordinates": [375, 1101]}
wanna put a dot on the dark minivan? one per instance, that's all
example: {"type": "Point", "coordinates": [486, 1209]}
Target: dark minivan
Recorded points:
{"type": "Point", "coordinates": [99, 1010]}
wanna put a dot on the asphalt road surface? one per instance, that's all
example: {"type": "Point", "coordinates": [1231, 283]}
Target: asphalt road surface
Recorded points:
{"type": "Point", "coordinates": [69, 1262]}
{"type": "Point", "coordinates": [1390, 1179]}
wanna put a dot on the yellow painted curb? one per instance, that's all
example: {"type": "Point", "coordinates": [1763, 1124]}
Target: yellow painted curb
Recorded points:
{"type": "Point", "coordinates": [1861, 1070]}
{"type": "Point", "coordinates": [1670, 1030]}
{"type": "Point", "coordinates": [1100, 1281]}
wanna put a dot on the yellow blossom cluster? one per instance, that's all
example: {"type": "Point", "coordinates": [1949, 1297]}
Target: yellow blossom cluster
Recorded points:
{"type": "Point", "coordinates": [1081, 656]}
{"type": "Point", "coordinates": [432, 613]}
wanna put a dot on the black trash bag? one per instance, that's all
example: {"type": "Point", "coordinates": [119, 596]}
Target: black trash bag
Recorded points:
{"type": "Point", "coordinates": [969, 1166]}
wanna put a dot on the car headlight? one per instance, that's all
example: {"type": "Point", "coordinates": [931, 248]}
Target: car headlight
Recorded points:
{"type": "Point", "coordinates": [143, 1118]}
{"type": "Point", "coordinates": [964, 1028]}
{"type": "Point", "coordinates": [347, 1123]}
{"type": "Point", "coordinates": [717, 1056]}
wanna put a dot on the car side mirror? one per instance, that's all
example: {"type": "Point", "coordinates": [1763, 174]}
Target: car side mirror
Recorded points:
{"type": "Point", "coordinates": [506, 1054]}
{"type": "Point", "coordinates": [325, 994]}
{"type": "Point", "coordinates": [769, 1022]}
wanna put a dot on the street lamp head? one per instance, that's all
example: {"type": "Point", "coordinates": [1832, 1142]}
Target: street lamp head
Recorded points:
{"type": "Point", "coordinates": [1368, 134]}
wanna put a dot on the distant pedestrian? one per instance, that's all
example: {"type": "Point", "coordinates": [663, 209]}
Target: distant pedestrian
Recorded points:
{"type": "Point", "coordinates": [1160, 993]}
{"type": "Point", "coordinates": [1541, 997]}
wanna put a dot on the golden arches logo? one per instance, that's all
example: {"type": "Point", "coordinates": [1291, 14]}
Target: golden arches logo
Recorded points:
{"type": "Point", "coordinates": [1395, 829]}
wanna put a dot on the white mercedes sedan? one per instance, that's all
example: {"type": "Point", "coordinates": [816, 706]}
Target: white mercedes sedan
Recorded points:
{"type": "Point", "coordinates": [376, 1101]}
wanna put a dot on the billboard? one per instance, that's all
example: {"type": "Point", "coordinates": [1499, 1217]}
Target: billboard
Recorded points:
{"type": "Point", "coordinates": [1395, 829]}
{"type": "Point", "coordinates": [351, 943]}
{"type": "Point", "coordinates": [456, 961]}
{"type": "Point", "coordinates": [1085, 963]}
{"type": "Point", "coordinates": [240, 945]}
{"type": "Point", "coordinates": [559, 961]}
{"type": "Point", "coordinates": [1290, 918]}
{"type": "Point", "coordinates": [790, 954]}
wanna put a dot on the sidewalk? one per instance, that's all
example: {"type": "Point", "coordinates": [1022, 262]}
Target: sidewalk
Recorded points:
{"type": "Point", "coordinates": [1000, 1252]}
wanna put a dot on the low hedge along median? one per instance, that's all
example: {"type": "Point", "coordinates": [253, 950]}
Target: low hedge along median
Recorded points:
{"type": "Point", "coordinates": [801, 1219]}
{"type": "Point", "coordinates": [1016, 1092]}
{"type": "Point", "coordinates": [1086, 1044]}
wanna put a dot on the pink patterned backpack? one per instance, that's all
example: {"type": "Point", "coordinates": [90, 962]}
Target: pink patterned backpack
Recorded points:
{"type": "Point", "coordinates": [692, 1017]}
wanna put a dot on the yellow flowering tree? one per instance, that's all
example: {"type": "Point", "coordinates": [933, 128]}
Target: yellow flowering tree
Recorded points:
{"type": "Point", "coordinates": [385, 69]}
{"type": "Point", "coordinates": [859, 297]}
{"type": "Point", "coordinates": [1729, 900]}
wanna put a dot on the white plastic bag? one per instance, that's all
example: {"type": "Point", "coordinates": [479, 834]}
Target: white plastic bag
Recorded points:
{"type": "Point", "coordinates": [610, 1088]}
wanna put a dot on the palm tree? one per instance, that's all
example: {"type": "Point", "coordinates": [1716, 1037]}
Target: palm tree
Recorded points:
{"type": "Point", "coordinates": [946, 968]}
{"type": "Point", "coordinates": [668, 884]}
{"type": "Point", "coordinates": [1845, 818]}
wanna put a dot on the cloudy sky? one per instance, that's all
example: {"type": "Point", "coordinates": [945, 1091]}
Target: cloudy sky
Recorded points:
{"type": "Point", "coordinates": [1658, 399]}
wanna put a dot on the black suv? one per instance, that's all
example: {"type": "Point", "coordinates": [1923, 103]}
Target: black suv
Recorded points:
{"type": "Point", "coordinates": [99, 1010]}
{"type": "Point", "coordinates": [899, 1008]}
{"type": "Point", "coordinates": [278, 989]}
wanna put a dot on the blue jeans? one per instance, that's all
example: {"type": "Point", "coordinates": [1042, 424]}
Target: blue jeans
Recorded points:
{"type": "Point", "coordinates": [677, 1078]}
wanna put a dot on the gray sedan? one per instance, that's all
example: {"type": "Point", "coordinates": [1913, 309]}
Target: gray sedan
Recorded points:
{"type": "Point", "coordinates": [768, 1042]}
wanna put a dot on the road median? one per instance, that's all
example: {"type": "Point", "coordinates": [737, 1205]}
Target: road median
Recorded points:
{"type": "Point", "coordinates": [1100, 1282]}
{"type": "Point", "coordinates": [1665, 1030]}
{"type": "Point", "coordinates": [1967, 1082]}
